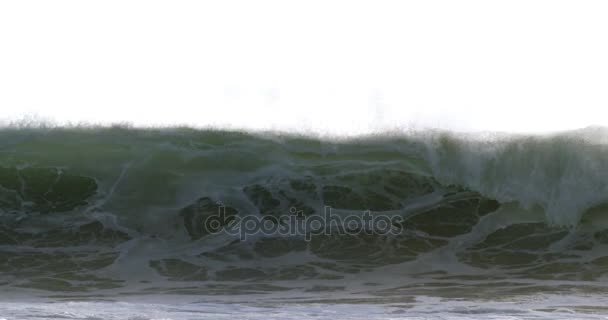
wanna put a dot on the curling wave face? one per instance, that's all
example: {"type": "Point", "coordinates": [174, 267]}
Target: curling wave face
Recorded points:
{"type": "Point", "coordinates": [107, 210]}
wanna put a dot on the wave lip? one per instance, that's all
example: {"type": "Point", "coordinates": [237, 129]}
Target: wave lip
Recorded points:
{"type": "Point", "coordinates": [564, 173]}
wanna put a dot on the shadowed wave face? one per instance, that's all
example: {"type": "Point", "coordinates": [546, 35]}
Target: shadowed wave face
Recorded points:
{"type": "Point", "coordinates": [105, 211]}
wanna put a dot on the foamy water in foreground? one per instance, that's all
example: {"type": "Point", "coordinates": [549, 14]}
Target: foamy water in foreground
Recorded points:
{"type": "Point", "coordinates": [539, 307]}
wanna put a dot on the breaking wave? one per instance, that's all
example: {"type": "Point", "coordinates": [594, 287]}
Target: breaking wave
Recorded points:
{"type": "Point", "coordinates": [121, 209]}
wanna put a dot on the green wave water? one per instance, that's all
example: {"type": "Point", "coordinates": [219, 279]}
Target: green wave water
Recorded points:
{"type": "Point", "coordinates": [106, 211]}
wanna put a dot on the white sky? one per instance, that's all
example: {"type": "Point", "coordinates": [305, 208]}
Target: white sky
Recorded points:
{"type": "Point", "coordinates": [337, 66]}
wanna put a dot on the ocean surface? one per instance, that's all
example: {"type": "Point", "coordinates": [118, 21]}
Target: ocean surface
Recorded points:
{"type": "Point", "coordinates": [114, 223]}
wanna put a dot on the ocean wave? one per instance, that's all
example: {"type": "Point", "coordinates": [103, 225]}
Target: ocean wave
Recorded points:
{"type": "Point", "coordinates": [127, 207]}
